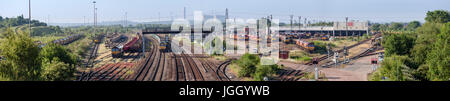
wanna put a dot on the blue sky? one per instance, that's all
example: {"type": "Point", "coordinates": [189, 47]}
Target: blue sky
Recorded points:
{"type": "Point", "coordinates": [74, 11]}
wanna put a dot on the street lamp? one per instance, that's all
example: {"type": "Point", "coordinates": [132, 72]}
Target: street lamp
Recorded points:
{"type": "Point", "coordinates": [95, 16]}
{"type": "Point", "coordinates": [29, 14]}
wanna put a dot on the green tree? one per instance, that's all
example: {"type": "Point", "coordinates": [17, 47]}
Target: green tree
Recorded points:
{"type": "Point", "coordinates": [21, 57]}
{"type": "Point", "coordinates": [375, 27]}
{"type": "Point", "coordinates": [438, 16]}
{"type": "Point", "coordinates": [247, 64]}
{"type": "Point", "coordinates": [396, 26]}
{"type": "Point", "coordinates": [52, 51]}
{"type": "Point", "coordinates": [439, 57]}
{"type": "Point", "coordinates": [264, 71]}
{"type": "Point", "coordinates": [56, 70]}
{"type": "Point", "coordinates": [393, 68]}
{"type": "Point", "coordinates": [426, 36]}
{"type": "Point", "coordinates": [399, 44]}
{"type": "Point", "coordinates": [413, 25]}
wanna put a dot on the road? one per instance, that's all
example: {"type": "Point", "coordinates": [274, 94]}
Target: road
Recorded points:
{"type": "Point", "coordinates": [354, 71]}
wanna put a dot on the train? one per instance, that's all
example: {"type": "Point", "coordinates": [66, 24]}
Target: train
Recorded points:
{"type": "Point", "coordinates": [306, 45]}
{"type": "Point", "coordinates": [376, 41]}
{"type": "Point", "coordinates": [117, 39]}
{"type": "Point", "coordinates": [117, 51]}
{"type": "Point", "coordinates": [286, 38]}
{"type": "Point", "coordinates": [324, 38]}
{"type": "Point", "coordinates": [67, 40]}
{"type": "Point", "coordinates": [64, 41]}
{"type": "Point", "coordinates": [97, 39]}
{"type": "Point", "coordinates": [135, 45]}
{"type": "Point", "coordinates": [165, 43]}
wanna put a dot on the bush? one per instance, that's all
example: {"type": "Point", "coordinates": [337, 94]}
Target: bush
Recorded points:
{"type": "Point", "coordinates": [21, 55]}
{"type": "Point", "coordinates": [247, 64]}
{"type": "Point", "coordinates": [321, 47]}
{"type": "Point", "coordinates": [25, 62]}
{"type": "Point", "coordinates": [264, 71]}
{"type": "Point", "coordinates": [438, 58]}
{"type": "Point", "coordinates": [393, 68]}
{"type": "Point", "coordinates": [56, 70]}
{"type": "Point", "coordinates": [399, 44]}
{"type": "Point", "coordinates": [52, 51]}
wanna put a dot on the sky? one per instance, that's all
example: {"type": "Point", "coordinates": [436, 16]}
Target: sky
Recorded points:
{"type": "Point", "coordinates": [80, 11]}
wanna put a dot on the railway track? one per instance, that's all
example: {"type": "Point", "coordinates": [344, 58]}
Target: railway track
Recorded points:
{"type": "Point", "coordinates": [144, 67]}
{"type": "Point", "coordinates": [221, 71]}
{"type": "Point", "coordinates": [169, 66]}
{"type": "Point", "coordinates": [290, 75]}
{"type": "Point", "coordinates": [180, 73]}
{"type": "Point", "coordinates": [338, 51]}
{"type": "Point", "coordinates": [109, 72]}
{"type": "Point", "coordinates": [192, 67]}
{"type": "Point", "coordinates": [367, 52]}
{"type": "Point", "coordinates": [93, 54]}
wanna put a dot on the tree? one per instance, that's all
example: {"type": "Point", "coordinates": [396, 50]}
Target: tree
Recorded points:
{"type": "Point", "coordinates": [399, 44]}
{"type": "Point", "coordinates": [55, 70]}
{"type": "Point", "coordinates": [247, 64]}
{"type": "Point", "coordinates": [375, 27]}
{"type": "Point", "coordinates": [51, 51]}
{"type": "Point", "coordinates": [426, 36]}
{"type": "Point", "coordinates": [439, 57]}
{"type": "Point", "coordinates": [264, 71]}
{"type": "Point", "coordinates": [25, 62]}
{"type": "Point", "coordinates": [393, 68]}
{"type": "Point", "coordinates": [396, 26]}
{"type": "Point", "coordinates": [21, 55]}
{"type": "Point", "coordinates": [438, 16]}
{"type": "Point", "coordinates": [413, 25]}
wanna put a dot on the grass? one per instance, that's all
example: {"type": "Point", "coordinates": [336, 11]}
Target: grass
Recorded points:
{"type": "Point", "coordinates": [234, 68]}
{"type": "Point", "coordinates": [310, 76]}
{"type": "Point", "coordinates": [220, 58]}
{"type": "Point", "coordinates": [79, 47]}
{"type": "Point", "coordinates": [299, 56]}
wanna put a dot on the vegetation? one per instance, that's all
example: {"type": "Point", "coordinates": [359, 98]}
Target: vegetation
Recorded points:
{"type": "Point", "coordinates": [322, 24]}
{"type": "Point", "coordinates": [21, 55]}
{"type": "Point", "coordinates": [321, 47]}
{"type": "Point", "coordinates": [20, 20]}
{"type": "Point", "coordinates": [44, 30]}
{"type": "Point", "coordinates": [395, 26]}
{"type": "Point", "coordinates": [438, 16]}
{"type": "Point", "coordinates": [421, 55]}
{"type": "Point", "coordinates": [399, 44]}
{"type": "Point", "coordinates": [299, 56]}
{"type": "Point", "coordinates": [264, 71]}
{"type": "Point", "coordinates": [26, 62]}
{"type": "Point", "coordinates": [439, 57]}
{"type": "Point", "coordinates": [393, 68]}
{"type": "Point", "coordinates": [249, 66]}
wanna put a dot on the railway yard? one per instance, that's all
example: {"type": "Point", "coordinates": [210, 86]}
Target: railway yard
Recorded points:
{"type": "Point", "coordinates": [108, 60]}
